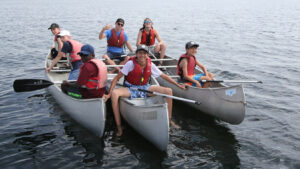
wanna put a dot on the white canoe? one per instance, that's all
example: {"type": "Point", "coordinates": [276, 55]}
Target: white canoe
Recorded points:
{"type": "Point", "coordinates": [226, 103]}
{"type": "Point", "coordinates": [90, 113]}
{"type": "Point", "coordinates": [149, 117]}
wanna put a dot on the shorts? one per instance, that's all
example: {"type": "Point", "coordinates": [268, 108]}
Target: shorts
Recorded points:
{"type": "Point", "coordinates": [75, 71]}
{"type": "Point", "coordinates": [135, 93]}
{"type": "Point", "coordinates": [195, 77]}
{"type": "Point", "coordinates": [113, 55]}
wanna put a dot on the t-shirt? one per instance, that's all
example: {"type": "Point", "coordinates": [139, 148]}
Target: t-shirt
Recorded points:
{"type": "Point", "coordinates": [129, 66]}
{"type": "Point", "coordinates": [89, 70]}
{"type": "Point", "coordinates": [114, 49]}
{"type": "Point", "coordinates": [67, 47]}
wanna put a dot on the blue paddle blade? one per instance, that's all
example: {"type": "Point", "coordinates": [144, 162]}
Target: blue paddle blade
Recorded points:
{"type": "Point", "coordinates": [26, 85]}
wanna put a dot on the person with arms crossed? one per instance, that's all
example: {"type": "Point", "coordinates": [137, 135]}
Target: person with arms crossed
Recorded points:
{"type": "Point", "coordinates": [137, 72]}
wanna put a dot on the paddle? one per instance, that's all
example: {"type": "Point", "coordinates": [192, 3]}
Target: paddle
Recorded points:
{"type": "Point", "coordinates": [25, 85]}
{"type": "Point", "coordinates": [231, 81]}
{"type": "Point", "coordinates": [173, 97]}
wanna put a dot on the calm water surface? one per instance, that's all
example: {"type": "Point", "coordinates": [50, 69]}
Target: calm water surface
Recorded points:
{"type": "Point", "coordinates": [252, 40]}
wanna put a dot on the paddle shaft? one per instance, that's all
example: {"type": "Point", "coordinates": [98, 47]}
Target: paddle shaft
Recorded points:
{"type": "Point", "coordinates": [165, 95]}
{"type": "Point", "coordinates": [231, 81]}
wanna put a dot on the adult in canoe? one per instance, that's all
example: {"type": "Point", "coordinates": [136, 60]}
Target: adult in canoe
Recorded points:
{"type": "Point", "coordinates": [71, 47]}
{"type": "Point", "coordinates": [57, 43]}
{"type": "Point", "coordinates": [92, 78]}
{"type": "Point", "coordinates": [186, 67]}
{"type": "Point", "coordinates": [137, 71]}
{"type": "Point", "coordinates": [116, 39]}
{"type": "Point", "coordinates": [147, 36]}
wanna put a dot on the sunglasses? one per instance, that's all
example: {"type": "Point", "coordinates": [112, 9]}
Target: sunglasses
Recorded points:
{"type": "Point", "coordinates": [147, 22]}
{"type": "Point", "coordinates": [120, 24]}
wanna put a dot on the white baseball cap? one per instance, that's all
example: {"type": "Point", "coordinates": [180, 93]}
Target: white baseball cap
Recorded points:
{"type": "Point", "coordinates": [64, 33]}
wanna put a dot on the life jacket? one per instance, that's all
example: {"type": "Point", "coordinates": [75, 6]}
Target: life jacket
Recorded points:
{"type": "Point", "coordinates": [138, 76]}
{"type": "Point", "coordinates": [148, 39]}
{"type": "Point", "coordinates": [190, 67]}
{"type": "Point", "coordinates": [114, 40]}
{"type": "Point", "coordinates": [100, 80]}
{"type": "Point", "coordinates": [76, 47]}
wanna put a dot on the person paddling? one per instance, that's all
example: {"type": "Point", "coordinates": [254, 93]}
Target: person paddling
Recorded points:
{"type": "Point", "coordinates": [116, 39]}
{"type": "Point", "coordinates": [92, 77]}
{"type": "Point", "coordinates": [186, 67]}
{"type": "Point", "coordinates": [137, 72]}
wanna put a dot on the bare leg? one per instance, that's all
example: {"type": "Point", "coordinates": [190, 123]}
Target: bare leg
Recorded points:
{"type": "Point", "coordinates": [116, 94]}
{"type": "Point", "coordinates": [162, 48]}
{"type": "Point", "coordinates": [209, 77]}
{"type": "Point", "coordinates": [167, 91]}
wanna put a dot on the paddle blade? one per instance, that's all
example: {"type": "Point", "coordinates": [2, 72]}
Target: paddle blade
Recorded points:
{"type": "Point", "coordinates": [26, 85]}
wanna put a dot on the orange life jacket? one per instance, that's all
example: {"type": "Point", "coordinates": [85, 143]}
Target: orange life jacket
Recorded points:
{"type": "Point", "coordinates": [114, 40]}
{"type": "Point", "coordinates": [190, 67]}
{"type": "Point", "coordinates": [76, 47]}
{"type": "Point", "coordinates": [148, 39]}
{"type": "Point", "coordinates": [100, 80]}
{"type": "Point", "coordinates": [138, 76]}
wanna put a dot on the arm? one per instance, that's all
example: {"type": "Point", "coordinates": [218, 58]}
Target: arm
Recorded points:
{"type": "Point", "coordinates": [202, 67]}
{"type": "Point", "coordinates": [57, 58]}
{"type": "Point", "coordinates": [113, 84]}
{"type": "Point", "coordinates": [139, 38]}
{"type": "Point", "coordinates": [60, 44]}
{"type": "Point", "coordinates": [129, 46]}
{"type": "Point", "coordinates": [183, 64]}
{"type": "Point", "coordinates": [169, 79]}
{"type": "Point", "coordinates": [158, 37]}
{"type": "Point", "coordinates": [101, 34]}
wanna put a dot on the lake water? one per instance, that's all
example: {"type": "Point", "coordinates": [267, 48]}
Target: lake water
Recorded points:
{"type": "Point", "coordinates": [243, 40]}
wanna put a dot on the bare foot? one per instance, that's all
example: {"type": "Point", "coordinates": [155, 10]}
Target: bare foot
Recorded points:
{"type": "Point", "coordinates": [173, 124]}
{"type": "Point", "coordinates": [119, 132]}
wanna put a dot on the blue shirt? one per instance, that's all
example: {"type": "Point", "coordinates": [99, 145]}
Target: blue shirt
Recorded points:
{"type": "Point", "coordinates": [114, 49]}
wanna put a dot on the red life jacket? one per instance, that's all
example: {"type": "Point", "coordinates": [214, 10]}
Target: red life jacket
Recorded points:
{"type": "Point", "coordinates": [100, 80]}
{"type": "Point", "coordinates": [145, 38]}
{"type": "Point", "coordinates": [76, 47]}
{"type": "Point", "coordinates": [138, 76]}
{"type": "Point", "coordinates": [190, 67]}
{"type": "Point", "coordinates": [114, 40]}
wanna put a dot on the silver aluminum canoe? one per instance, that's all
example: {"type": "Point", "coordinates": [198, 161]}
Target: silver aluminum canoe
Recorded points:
{"type": "Point", "coordinates": [90, 113]}
{"type": "Point", "coordinates": [226, 103]}
{"type": "Point", "coordinates": [148, 116]}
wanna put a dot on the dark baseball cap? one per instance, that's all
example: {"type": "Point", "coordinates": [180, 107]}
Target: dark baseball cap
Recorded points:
{"type": "Point", "coordinates": [86, 50]}
{"type": "Point", "coordinates": [53, 25]}
{"type": "Point", "coordinates": [191, 44]}
{"type": "Point", "coordinates": [120, 20]}
{"type": "Point", "coordinates": [142, 47]}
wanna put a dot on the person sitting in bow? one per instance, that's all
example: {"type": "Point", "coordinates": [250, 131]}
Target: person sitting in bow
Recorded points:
{"type": "Point", "coordinates": [71, 47]}
{"type": "Point", "coordinates": [57, 43]}
{"type": "Point", "coordinates": [116, 39]}
{"type": "Point", "coordinates": [147, 36]}
{"type": "Point", "coordinates": [92, 77]}
{"type": "Point", "coordinates": [186, 67]}
{"type": "Point", "coordinates": [137, 71]}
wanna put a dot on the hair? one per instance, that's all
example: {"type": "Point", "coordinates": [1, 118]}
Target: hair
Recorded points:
{"type": "Point", "coordinates": [143, 28]}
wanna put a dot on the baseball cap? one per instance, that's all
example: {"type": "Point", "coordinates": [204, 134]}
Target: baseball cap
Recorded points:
{"type": "Point", "coordinates": [191, 44]}
{"type": "Point", "coordinates": [86, 50]}
{"type": "Point", "coordinates": [53, 25]}
{"type": "Point", "coordinates": [142, 47]}
{"type": "Point", "coordinates": [64, 33]}
{"type": "Point", "coordinates": [120, 20]}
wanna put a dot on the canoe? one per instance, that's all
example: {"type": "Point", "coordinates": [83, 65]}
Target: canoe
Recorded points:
{"type": "Point", "coordinates": [90, 113]}
{"type": "Point", "coordinates": [226, 103]}
{"type": "Point", "coordinates": [148, 116]}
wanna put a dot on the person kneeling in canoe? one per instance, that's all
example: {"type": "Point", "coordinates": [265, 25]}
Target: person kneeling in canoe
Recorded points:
{"type": "Point", "coordinates": [137, 72]}
{"type": "Point", "coordinates": [92, 77]}
{"type": "Point", "coordinates": [186, 67]}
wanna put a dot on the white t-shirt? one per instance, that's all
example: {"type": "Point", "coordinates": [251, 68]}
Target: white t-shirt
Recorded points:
{"type": "Point", "coordinates": [129, 66]}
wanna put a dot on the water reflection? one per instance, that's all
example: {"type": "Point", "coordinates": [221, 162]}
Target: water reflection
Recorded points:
{"type": "Point", "coordinates": [202, 141]}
